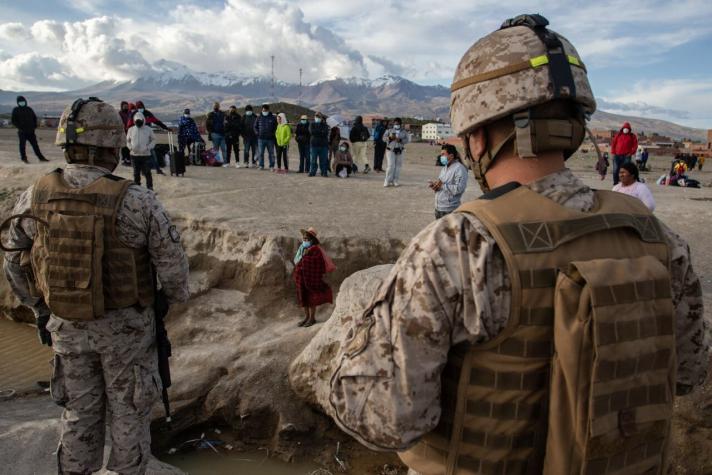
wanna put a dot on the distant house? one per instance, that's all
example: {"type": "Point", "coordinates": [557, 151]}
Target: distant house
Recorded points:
{"type": "Point", "coordinates": [436, 131]}
{"type": "Point", "coordinates": [51, 122]}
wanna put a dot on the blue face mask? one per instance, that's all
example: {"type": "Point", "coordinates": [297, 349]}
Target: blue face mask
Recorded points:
{"type": "Point", "coordinates": [22, 103]}
{"type": "Point", "coordinates": [303, 121]}
{"type": "Point", "coordinates": [248, 113]}
{"type": "Point", "coordinates": [306, 244]}
{"type": "Point", "coordinates": [265, 113]}
{"type": "Point", "coordinates": [318, 120]}
{"type": "Point", "coordinates": [443, 160]}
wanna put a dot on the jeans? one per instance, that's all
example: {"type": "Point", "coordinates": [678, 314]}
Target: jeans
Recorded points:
{"type": "Point", "coordinates": [28, 137]}
{"type": "Point", "coordinates": [282, 154]}
{"type": "Point", "coordinates": [321, 154]}
{"type": "Point", "coordinates": [233, 144]}
{"type": "Point", "coordinates": [395, 162]}
{"type": "Point", "coordinates": [249, 144]}
{"type": "Point", "coordinates": [618, 160]}
{"type": "Point", "coordinates": [379, 152]}
{"type": "Point", "coordinates": [268, 144]}
{"type": "Point", "coordinates": [142, 165]}
{"type": "Point", "coordinates": [303, 157]}
{"type": "Point", "coordinates": [218, 141]}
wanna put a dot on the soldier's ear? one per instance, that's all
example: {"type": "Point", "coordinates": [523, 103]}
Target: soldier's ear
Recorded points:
{"type": "Point", "coordinates": [478, 143]}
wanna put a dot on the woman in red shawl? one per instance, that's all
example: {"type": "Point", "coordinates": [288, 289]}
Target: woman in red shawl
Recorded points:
{"type": "Point", "coordinates": [309, 270]}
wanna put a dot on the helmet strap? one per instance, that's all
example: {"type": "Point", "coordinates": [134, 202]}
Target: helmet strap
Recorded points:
{"type": "Point", "coordinates": [480, 165]}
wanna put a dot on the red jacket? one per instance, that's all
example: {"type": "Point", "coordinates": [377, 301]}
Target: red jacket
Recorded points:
{"type": "Point", "coordinates": [624, 144]}
{"type": "Point", "coordinates": [308, 274]}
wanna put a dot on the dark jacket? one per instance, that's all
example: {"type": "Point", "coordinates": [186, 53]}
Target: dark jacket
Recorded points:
{"type": "Point", "coordinates": [23, 117]}
{"type": "Point", "coordinates": [215, 122]}
{"type": "Point", "coordinates": [266, 126]}
{"type": "Point", "coordinates": [147, 115]}
{"type": "Point", "coordinates": [125, 115]}
{"type": "Point", "coordinates": [359, 132]}
{"type": "Point", "coordinates": [335, 137]}
{"type": "Point", "coordinates": [319, 134]}
{"type": "Point", "coordinates": [248, 127]}
{"type": "Point", "coordinates": [302, 133]}
{"type": "Point", "coordinates": [233, 126]}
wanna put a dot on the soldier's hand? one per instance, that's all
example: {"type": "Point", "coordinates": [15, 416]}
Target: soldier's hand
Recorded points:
{"type": "Point", "coordinates": [44, 335]}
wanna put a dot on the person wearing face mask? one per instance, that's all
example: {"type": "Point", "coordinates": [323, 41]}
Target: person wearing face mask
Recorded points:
{"type": "Point", "coordinates": [125, 114]}
{"type": "Point", "coordinates": [283, 135]}
{"type": "Point", "coordinates": [98, 317]}
{"type": "Point", "coordinates": [395, 139]}
{"type": "Point", "coordinates": [310, 266]}
{"type": "Point", "coordinates": [623, 147]}
{"type": "Point", "coordinates": [343, 161]}
{"type": "Point", "coordinates": [150, 120]}
{"type": "Point", "coordinates": [25, 120]}
{"type": "Point", "coordinates": [379, 146]}
{"type": "Point", "coordinates": [188, 132]}
{"type": "Point", "coordinates": [358, 136]}
{"type": "Point", "coordinates": [452, 182]}
{"type": "Point", "coordinates": [215, 125]}
{"type": "Point", "coordinates": [319, 145]}
{"type": "Point", "coordinates": [249, 137]}
{"type": "Point", "coordinates": [233, 127]}
{"type": "Point", "coordinates": [302, 136]}
{"type": "Point", "coordinates": [140, 142]}
{"type": "Point", "coordinates": [266, 129]}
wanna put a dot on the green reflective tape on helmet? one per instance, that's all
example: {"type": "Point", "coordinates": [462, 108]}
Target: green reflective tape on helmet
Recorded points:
{"type": "Point", "coordinates": [539, 61]}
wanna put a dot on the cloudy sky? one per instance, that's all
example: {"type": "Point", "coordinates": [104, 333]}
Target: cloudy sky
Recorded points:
{"type": "Point", "coordinates": [645, 57]}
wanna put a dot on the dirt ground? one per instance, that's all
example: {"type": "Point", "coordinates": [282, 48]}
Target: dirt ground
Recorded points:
{"type": "Point", "coordinates": [360, 207]}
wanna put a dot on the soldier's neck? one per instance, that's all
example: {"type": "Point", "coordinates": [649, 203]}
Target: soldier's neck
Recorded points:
{"type": "Point", "coordinates": [511, 168]}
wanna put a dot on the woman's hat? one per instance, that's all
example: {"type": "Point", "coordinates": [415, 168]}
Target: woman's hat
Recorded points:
{"type": "Point", "coordinates": [303, 117]}
{"type": "Point", "coordinates": [311, 233]}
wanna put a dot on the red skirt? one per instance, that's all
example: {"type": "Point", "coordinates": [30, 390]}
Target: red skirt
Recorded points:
{"type": "Point", "coordinates": [308, 275]}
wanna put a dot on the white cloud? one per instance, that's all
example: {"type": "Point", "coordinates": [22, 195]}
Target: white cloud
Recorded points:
{"type": "Point", "coordinates": [685, 101]}
{"type": "Point", "coordinates": [43, 71]}
{"type": "Point", "coordinates": [14, 31]}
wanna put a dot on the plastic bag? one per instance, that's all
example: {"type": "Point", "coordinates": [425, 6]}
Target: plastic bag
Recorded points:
{"type": "Point", "coordinates": [343, 173]}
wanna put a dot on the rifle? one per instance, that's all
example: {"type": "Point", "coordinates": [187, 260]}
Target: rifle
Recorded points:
{"type": "Point", "coordinates": [163, 344]}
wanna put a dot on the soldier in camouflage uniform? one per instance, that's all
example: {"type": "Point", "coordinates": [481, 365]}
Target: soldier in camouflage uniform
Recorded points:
{"type": "Point", "coordinates": [105, 367]}
{"type": "Point", "coordinates": [451, 286]}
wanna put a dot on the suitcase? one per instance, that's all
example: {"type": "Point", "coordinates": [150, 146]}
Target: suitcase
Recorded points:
{"type": "Point", "coordinates": [176, 158]}
{"type": "Point", "coordinates": [197, 152]}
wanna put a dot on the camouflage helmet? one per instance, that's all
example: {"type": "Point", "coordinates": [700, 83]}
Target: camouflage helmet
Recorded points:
{"type": "Point", "coordinates": [91, 123]}
{"type": "Point", "coordinates": [519, 66]}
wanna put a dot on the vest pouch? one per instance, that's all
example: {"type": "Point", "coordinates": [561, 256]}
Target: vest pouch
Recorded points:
{"type": "Point", "coordinates": [68, 265]}
{"type": "Point", "coordinates": [613, 370]}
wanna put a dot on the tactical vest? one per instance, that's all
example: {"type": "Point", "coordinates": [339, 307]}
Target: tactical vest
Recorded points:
{"type": "Point", "coordinates": [581, 379]}
{"type": "Point", "coordinates": [80, 266]}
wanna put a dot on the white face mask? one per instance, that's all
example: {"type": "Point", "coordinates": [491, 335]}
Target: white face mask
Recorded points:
{"type": "Point", "coordinates": [248, 113]}
{"type": "Point", "coordinates": [397, 127]}
{"type": "Point", "coordinates": [186, 115]}
{"type": "Point", "coordinates": [265, 113]}
{"type": "Point", "coordinates": [625, 131]}
{"type": "Point", "coordinates": [343, 149]}
{"type": "Point", "coordinates": [317, 120]}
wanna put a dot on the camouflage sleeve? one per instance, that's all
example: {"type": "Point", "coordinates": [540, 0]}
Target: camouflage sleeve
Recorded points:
{"type": "Point", "coordinates": [20, 235]}
{"type": "Point", "coordinates": [386, 390]}
{"type": "Point", "coordinates": [692, 330]}
{"type": "Point", "coordinates": [143, 222]}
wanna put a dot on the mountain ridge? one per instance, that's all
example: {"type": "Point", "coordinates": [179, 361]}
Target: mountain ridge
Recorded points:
{"type": "Point", "coordinates": [169, 87]}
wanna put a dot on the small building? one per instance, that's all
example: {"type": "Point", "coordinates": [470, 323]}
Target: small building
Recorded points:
{"type": "Point", "coordinates": [436, 131]}
{"type": "Point", "coordinates": [415, 131]}
{"type": "Point", "coordinates": [51, 122]}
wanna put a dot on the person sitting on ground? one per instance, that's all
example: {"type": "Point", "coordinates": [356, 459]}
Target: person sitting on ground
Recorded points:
{"type": "Point", "coordinates": [452, 182]}
{"type": "Point", "coordinates": [310, 266]}
{"type": "Point", "coordinates": [629, 183]}
{"type": "Point", "coordinates": [343, 161]}
{"type": "Point", "coordinates": [283, 135]}
{"type": "Point", "coordinates": [188, 132]}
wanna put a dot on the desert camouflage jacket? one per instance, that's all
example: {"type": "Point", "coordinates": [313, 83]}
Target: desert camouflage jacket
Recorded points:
{"type": "Point", "coordinates": [141, 222]}
{"type": "Point", "coordinates": [451, 286]}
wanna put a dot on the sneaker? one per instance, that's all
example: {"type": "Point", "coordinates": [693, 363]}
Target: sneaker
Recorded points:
{"type": "Point", "coordinates": [261, 168]}
{"type": "Point", "coordinates": [237, 165]}
{"type": "Point", "coordinates": [247, 165]}
{"type": "Point", "coordinates": [225, 165]}
{"type": "Point", "coordinates": [24, 160]}
{"type": "Point", "coordinates": [42, 159]}
{"type": "Point", "coordinates": [395, 183]}
{"type": "Point", "coordinates": [386, 185]}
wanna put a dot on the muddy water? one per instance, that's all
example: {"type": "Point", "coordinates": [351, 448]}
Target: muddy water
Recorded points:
{"type": "Point", "coordinates": [207, 462]}
{"type": "Point", "coordinates": [23, 360]}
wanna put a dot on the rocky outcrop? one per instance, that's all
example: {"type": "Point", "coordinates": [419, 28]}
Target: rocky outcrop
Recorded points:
{"type": "Point", "coordinates": [311, 370]}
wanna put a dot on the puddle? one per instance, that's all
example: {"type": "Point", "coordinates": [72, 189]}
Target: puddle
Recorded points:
{"type": "Point", "coordinates": [207, 462]}
{"type": "Point", "coordinates": [23, 360]}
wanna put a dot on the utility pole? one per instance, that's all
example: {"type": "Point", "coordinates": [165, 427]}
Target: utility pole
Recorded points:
{"type": "Point", "coordinates": [273, 97]}
{"type": "Point", "coordinates": [300, 87]}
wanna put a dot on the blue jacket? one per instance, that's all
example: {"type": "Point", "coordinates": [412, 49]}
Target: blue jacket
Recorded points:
{"type": "Point", "coordinates": [266, 126]}
{"type": "Point", "coordinates": [378, 133]}
{"type": "Point", "coordinates": [188, 130]}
